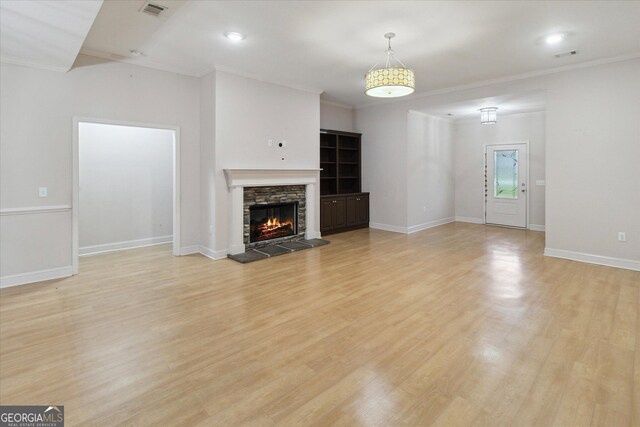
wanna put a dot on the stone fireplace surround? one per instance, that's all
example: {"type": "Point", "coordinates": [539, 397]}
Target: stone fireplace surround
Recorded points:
{"type": "Point", "coordinates": [274, 194]}
{"type": "Point", "coordinates": [239, 179]}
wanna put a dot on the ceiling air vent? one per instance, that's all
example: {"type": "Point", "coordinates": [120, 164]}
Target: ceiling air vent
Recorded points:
{"type": "Point", "coordinates": [563, 54]}
{"type": "Point", "coordinates": [153, 9]}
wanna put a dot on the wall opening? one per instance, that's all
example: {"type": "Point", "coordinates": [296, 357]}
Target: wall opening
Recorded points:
{"type": "Point", "coordinates": [125, 187]}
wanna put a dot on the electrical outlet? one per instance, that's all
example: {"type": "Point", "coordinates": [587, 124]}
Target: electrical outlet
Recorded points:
{"type": "Point", "coordinates": [42, 192]}
{"type": "Point", "coordinates": [424, 209]}
{"type": "Point", "coordinates": [622, 236]}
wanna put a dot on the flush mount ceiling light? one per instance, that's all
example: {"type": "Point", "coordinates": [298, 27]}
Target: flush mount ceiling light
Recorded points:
{"type": "Point", "coordinates": [554, 38]}
{"type": "Point", "coordinates": [392, 80]}
{"type": "Point", "coordinates": [488, 116]}
{"type": "Point", "coordinates": [233, 36]}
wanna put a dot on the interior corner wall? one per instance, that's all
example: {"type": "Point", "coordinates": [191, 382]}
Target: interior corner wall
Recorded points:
{"type": "Point", "coordinates": [126, 186]}
{"type": "Point", "coordinates": [207, 160]}
{"type": "Point", "coordinates": [335, 117]}
{"type": "Point", "coordinates": [430, 178]}
{"type": "Point", "coordinates": [248, 114]}
{"type": "Point", "coordinates": [470, 138]}
{"type": "Point", "coordinates": [384, 164]}
{"type": "Point", "coordinates": [36, 111]}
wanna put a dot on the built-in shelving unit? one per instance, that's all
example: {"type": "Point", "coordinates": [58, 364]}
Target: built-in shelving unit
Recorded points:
{"type": "Point", "coordinates": [340, 161]}
{"type": "Point", "coordinates": [343, 207]}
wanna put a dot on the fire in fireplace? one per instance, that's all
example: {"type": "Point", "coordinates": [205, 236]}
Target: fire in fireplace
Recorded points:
{"type": "Point", "coordinates": [272, 221]}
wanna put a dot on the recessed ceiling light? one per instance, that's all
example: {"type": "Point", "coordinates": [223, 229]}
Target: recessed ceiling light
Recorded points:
{"type": "Point", "coordinates": [554, 38]}
{"type": "Point", "coordinates": [134, 52]}
{"type": "Point", "coordinates": [232, 35]}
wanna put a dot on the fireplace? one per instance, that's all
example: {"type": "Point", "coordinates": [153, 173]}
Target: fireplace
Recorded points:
{"type": "Point", "coordinates": [272, 221]}
{"type": "Point", "coordinates": [250, 187]}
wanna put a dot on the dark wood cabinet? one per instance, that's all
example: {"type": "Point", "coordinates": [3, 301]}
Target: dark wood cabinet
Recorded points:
{"type": "Point", "coordinates": [333, 213]}
{"type": "Point", "coordinates": [362, 209]}
{"type": "Point", "coordinates": [342, 213]}
{"type": "Point", "coordinates": [342, 205]}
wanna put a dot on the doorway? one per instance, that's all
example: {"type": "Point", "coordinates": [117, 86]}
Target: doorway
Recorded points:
{"type": "Point", "coordinates": [125, 186]}
{"type": "Point", "coordinates": [507, 182]}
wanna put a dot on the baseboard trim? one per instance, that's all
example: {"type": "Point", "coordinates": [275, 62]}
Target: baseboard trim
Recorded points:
{"type": "Point", "coordinates": [427, 225]}
{"type": "Point", "coordinates": [314, 235]}
{"type": "Point", "coordinates": [35, 276]}
{"type": "Point", "coordinates": [413, 228]}
{"type": "Point", "coordinates": [189, 250]}
{"type": "Point", "coordinates": [210, 253]}
{"type": "Point", "coordinates": [469, 219]}
{"type": "Point", "coordinates": [387, 227]}
{"type": "Point", "coordinates": [536, 227]}
{"type": "Point", "coordinates": [627, 264]}
{"type": "Point", "coordinates": [203, 250]}
{"type": "Point", "coordinates": [121, 246]}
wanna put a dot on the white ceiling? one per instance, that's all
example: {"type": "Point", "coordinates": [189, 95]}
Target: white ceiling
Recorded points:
{"type": "Point", "coordinates": [329, 45]}
{"type": "Point", "coordinates": [46, 34]}
{"type": "Point", "coordinates": [507, 104]}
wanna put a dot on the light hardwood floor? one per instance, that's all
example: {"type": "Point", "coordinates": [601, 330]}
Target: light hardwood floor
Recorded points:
{"type": "Point", "coordinates": [458, 325]}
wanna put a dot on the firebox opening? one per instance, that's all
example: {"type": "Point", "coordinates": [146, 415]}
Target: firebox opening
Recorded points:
{"type": "Point", "coordinates": [272, 221]}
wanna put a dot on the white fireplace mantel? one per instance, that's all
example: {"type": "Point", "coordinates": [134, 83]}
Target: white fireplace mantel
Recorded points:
{"type": "Point", "coordinates": [266, 177]}
{"type": "Point", "coordinates": [237, 179]}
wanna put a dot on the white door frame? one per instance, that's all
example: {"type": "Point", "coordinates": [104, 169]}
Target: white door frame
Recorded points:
{"type": "Point", "coordinates": [527, 187]}
{"type": "Point", "coordinates": [75, 204]}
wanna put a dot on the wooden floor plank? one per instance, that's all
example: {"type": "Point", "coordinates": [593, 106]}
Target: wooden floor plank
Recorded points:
{"type": "Point", "coordinates": [457, 325]}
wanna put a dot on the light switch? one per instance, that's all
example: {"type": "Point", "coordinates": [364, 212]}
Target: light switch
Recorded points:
{"type": "Point", "coordinates": [42, 191]}
{"type": "Point", "coordinates": [540, 182]}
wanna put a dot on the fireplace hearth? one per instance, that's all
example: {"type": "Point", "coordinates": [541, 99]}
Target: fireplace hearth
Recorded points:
{"type": "Point", "coordinates": [272, 221]}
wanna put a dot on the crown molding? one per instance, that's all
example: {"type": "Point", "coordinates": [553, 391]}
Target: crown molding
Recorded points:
{"type": "Point", "coordinates": [431, 116]}
{"type": "Point", "coordinates": [140, 61]}
{"type": "Point", "coordinates": [336, 104]}
{"type": "Point", "coordinates": [501, 116]}
{"type": "Point", "coordinates": [227, 70]}
{"type": "Point", "coordinates": [508, 79]}
{"type": "Point", "coordinates": [24, 63]}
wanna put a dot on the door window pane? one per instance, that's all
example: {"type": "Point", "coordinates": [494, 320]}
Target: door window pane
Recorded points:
{"type": "Point", "coordinates": [505, 174]}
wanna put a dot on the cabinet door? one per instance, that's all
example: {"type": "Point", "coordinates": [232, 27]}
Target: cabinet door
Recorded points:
{"type": "Point", "coordinates": [326, 214]}
{"type": "Point", "coordinates": [362, 209]}
{"type": "Point", "coordinates": [352, 210]}
{"type": "Point", "coordinates": [340, 217]}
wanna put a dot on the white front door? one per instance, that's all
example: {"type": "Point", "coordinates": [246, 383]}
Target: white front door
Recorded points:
{"type": "Point", "coordinates": [507, 185]}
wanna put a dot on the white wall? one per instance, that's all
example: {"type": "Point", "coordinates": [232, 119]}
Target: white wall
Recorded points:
{"type": "Point", "coordinates": [591, 150]}
{"type": "Point", "coordinates": [36, 110]}
{"type": "Point", "coordinates": [593, 161]}
{"type": "Point", "coordinates": [384, 164]}
{"type": "Point", "coordinates": [248, 113]}
{"type": "Point", "coordinates": [336, 117]}
{"type": "Point", "coordinates": [470, 137]}
{"type": "Point", "coordinates": [430, 178]}
{"type": "Point", "coordinates": [126, 186]}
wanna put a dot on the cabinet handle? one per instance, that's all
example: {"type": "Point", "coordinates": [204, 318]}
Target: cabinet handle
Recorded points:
{"type": "Point", "coordinates": [357, 199]}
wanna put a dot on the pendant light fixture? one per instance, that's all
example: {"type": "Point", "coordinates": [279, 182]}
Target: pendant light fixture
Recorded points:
{"type": "Point", "coordinates": [488, 116]}
{"type": "Point", "coordinates": [392, 80]}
